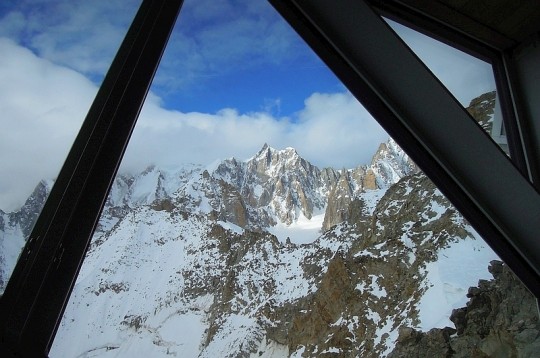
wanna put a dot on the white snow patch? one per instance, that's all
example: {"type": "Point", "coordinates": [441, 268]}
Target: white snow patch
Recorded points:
{"type": "Point", "coordinates": [183, 332]}
{"type": "Point", "coordinates": [387, 336]}
{"type": "Point", "coordinates": [458, 267]}
{"type": "Point", "coordinates": [377, 290]}
{"type": "Point", "coordinates": [270, 349]}
{"type": "Point", "coordinates": [258, 190]}
{"type": "Point", "coordinates": [331, 350]}
{"type": "Point", "coordinates": [298, 353]}
{"type": "Point", "coordinates": [436, 209]}
{"type": "Point", "coordinates": [234, 335]}
{"type": "Point", "coordinates": [231, 227]}
{"type": "Point", "coordinates": [371, 198]}
{"type": "Point", "coordinates": [302, 231]}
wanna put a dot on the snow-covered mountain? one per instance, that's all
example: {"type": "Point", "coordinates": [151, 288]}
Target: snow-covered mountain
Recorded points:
{"type": "Point", "coordinates": [268, 257]}
{"type": "Point", "coordinates": [233, 260]}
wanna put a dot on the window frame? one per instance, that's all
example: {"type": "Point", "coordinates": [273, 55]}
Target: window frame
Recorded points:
{"type": "Point", "coordinates": [485, 44]}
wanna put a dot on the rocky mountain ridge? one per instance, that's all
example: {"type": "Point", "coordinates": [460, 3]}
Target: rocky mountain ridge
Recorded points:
{"type": "Point", "coordinates": [273, 187]}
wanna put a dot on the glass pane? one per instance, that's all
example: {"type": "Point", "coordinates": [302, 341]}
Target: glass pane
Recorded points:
{"type": "Point", "coordinates": [468, 78]}
{"type": "Point", "coordinates": [219, 239]}
{"type": "Point", "coordinates": [53, 56]}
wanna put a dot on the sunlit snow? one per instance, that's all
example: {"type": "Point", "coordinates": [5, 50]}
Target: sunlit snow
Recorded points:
{"type": "Point", "coordinates": [457, 268]}
{"type": "Point", "coordinates": [302, 231]}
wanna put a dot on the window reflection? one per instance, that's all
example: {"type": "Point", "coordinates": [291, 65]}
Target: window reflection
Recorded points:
{"type": "Point", "coordinates": [469, 79]}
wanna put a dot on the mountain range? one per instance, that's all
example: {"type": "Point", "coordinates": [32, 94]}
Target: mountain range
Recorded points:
{"type": "Point", "coordinates": [275, 257]}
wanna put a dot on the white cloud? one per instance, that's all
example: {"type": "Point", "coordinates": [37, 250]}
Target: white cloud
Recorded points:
{"type": "Point", "coordinates": [83, 35]}
{"type": "Point", "coordinates": [43, 105]}
{"type": "Point", "coordinates": [337, 130]}
{"type": "Point", "coordinates": [331, 130]}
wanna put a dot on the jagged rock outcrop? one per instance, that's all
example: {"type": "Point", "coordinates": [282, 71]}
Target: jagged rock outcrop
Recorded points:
{"type": "Point", "coordinates": [374, 281]}
{"type": "Point", "coordinates": [390, 163]}
{"type": "Point", "coordinates": [388, 166]}
{"type": "Point", "coordinates": [500, 320]}
{"type": "Point", "coordinates": [273, 186]}
{"type": "Point", "coordinates": [15, 228]}
{"type": "Point", "coordinates": [370, 180]}
{"type": "Point", "coordinates": [339, 199]}
{"type": "Point", "coordinates": [28, 214]}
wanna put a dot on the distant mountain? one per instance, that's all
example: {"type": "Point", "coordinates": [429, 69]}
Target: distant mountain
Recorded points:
{"type": "Point", "coordinates": [273, 187]}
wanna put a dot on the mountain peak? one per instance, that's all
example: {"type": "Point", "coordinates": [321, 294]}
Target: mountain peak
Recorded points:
{"type": "Point", "coordinates": [265, 151]}
{"type": "Point", "coordinates": [269, 157]}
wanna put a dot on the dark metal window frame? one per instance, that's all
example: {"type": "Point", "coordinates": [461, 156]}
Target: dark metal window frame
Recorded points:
{"type": "Point", "coordinates": [355, 43]}
{"type": "Point", "coordinates": [492, 48]}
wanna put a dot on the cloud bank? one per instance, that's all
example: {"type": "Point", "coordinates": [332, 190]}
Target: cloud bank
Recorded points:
{"type": "Point", "coordinates": [79, 34]}
{"type": "Point", "coordinates": [42, 106]}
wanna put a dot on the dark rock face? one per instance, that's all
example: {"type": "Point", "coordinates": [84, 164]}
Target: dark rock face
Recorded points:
{"type": "Point", "coordinates": [339, 199]}
{"type": "Point", "coordinates": [500, 320]}
{"type": "Point", "coordinates": [388, 165]}
{"type": "Point", "coordinates": [373, 282]}
{"type": "Point", "coordinates": [434, 343]}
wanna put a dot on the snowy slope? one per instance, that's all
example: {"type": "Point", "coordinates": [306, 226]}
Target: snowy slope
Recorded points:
{"type": "Point", "coordinates": [234, 259]}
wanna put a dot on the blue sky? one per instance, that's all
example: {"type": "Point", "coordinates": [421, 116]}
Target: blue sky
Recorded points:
{"type": "Point", "coordinates": [240, 55]}
{"type": "Point", "coordinates": [233, 77]}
